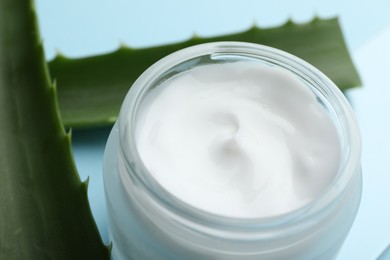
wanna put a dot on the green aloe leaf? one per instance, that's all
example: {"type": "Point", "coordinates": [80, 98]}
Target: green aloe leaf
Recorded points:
{"type": "Point", "coordinates": [91, 90]}
{"type": "Point", "coordinates": [44, 211]}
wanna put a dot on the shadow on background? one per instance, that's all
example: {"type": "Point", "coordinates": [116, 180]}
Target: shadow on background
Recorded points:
{"type": "Point", "coordinates": [90, 136]}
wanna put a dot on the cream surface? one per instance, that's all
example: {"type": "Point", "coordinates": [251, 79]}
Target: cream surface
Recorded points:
{"type": "Point", "coordinates": [240, 139]}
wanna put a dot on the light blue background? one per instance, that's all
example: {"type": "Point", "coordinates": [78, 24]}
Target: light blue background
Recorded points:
{"type": "Point", "coordinates": [81, 28]}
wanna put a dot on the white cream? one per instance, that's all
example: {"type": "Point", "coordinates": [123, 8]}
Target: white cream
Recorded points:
{"type": "Point", "coordinates": [238, 139]}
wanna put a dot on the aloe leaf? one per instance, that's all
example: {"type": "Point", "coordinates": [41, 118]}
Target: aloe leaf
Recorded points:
{"type": "Point", "coordinates": [44, 211]}
{"type": "Point", "coordinates": [91, 90]}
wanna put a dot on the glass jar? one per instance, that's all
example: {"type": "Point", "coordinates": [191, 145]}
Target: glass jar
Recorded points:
{"type": "Point", "coordinates": [147, 222]}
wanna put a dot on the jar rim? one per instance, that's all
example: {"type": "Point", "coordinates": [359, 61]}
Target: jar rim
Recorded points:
{"type": "Point", "coordinates": [182, 210]}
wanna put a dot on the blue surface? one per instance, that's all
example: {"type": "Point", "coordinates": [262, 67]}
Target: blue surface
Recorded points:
{"type": "Point", "coordinates": [80, 28]}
